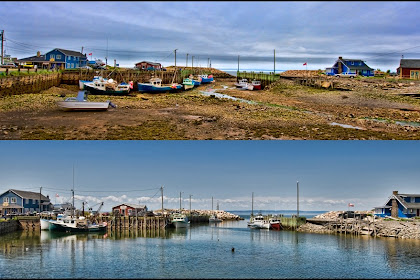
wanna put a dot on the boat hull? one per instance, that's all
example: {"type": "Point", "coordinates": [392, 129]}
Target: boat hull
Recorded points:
{"type": "Point", "coordinates": [66, 228]}
{"type": "Point", "coordinates": [196, 83]}
{"type": "Point", "coordinates": [181, 224]}
{"type": "Point", "coordinates": [275, 226]}
{"type": "Point", "coordinates": [153, 89]}
{"type": "Point", "coordinates": [187, 86]}
{"type": "Point", "coordinates": [83, 105]}
{"type": "Point", "coordinates": [206, 80]}
{"type": "Point", "coordinates": [45, 224]}
{"type": "Point", "coordinates": [95, 91]}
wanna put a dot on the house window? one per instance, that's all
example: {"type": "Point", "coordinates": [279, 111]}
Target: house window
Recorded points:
{"type": "Point", "coordinates": [6, 199]}
{"type": "Point", "coordinates": [352, 63]}
{"type": "Point", "coordinates": [72, 65]}
{"type": "Point", "coordinates": [30, 201]}
{"type": "Point", "coordinates": [52, 56]}
{"type": "Point", "coordinates": [68, 65]}
{"type": "Point", "coordinates": [13, 200]}
{"type": "Point", "coordinates": [67, 57]}
{"type": "Point", "coordinates": [58, 56]}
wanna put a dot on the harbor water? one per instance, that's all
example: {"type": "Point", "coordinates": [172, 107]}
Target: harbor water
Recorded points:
{"type": "Point", "coordinates": [225, 250]}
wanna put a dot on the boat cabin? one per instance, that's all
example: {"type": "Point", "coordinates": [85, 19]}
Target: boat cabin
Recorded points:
{"type": "Point", "coordinates": [256, 83]}
{"type": "Point", "coordinates": [156, 82]}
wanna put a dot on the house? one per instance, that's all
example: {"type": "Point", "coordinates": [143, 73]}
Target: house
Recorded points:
{"type": "Point", "coordinates": [409, 69]}
{"type": "Point", "coordinates": [60, 58]}
{"type": "Point", "coordinates": [147, 65]}
{"type": "Point", "coordinates": [350, 65]}
{"type": "Point", "coordinates": [21, 202]}
{"type": "Point", "coordinates": [129, 209]}
{"type": "Point", "coordinates": [400, 205]}
{"type": "Point", "coordinates": [38, 60]}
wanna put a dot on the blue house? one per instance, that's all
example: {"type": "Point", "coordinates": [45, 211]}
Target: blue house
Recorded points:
{"type": "Point", "coordinates": [21, 202]}
{"type": "Point", "coordinates": [66, 59]}
{"type": "Point", "coordinates": [400, 205]}
{"type": "Point", "coordinates": [343, 65]}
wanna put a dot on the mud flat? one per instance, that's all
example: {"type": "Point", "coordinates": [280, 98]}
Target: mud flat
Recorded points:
{"type": "Point", "coordinates": [373, 109]}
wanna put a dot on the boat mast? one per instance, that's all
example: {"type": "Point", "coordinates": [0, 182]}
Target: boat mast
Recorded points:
{"type": "Point", "coordinates": [72, 211]}
{"type": "Point", "coordinates": [180, 203]}
{"type": "Point", "coordinates": [212, 204]}
{"type": "Point", "coordinates": [161, 191]}
{"type": "Point", "coordinates": [252, 205]}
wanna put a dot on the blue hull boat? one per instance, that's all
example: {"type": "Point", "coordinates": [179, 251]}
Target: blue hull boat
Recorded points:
{"type": "Point", "coordinates": [196, 83]}
{"type": "Point", "coordinates": [155, 86]}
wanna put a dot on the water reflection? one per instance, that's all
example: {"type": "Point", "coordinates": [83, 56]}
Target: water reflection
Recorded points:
{"type": "Point", "coordinates": [173, 252]}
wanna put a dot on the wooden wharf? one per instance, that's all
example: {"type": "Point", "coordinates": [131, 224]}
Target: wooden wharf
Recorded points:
{"type": "Point", "coordinates": [351, 226]}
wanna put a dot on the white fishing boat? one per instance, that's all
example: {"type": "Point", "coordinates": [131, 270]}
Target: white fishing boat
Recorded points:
{"type": "Point", "coordinates": [180, 220]}
{"type": "Point", "coordinates": [242, 84]}
{"type": "Point", "coordinates": [214, 219]}
{"type": "Point", "coordinates": [259, 222]}
{"type": "Point", "coordinates": [106, 87]}
{"type": "Point", "coordinates": [73, 224]}
{"type": "Point", "coordinates": [80, 103]}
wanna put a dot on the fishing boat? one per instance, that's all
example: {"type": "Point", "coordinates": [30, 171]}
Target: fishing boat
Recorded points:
{"type": "Point", "coordinates": [275, 223]}
{"type": "Point", "coordinates": [107, 87]}
{"type": "Point", "coordinates": [242, 84]}
{"type": "Point", "coordinates": [155, 86]}
{"type": "Point", "coordinates": [80, 103]}
{"type": "Point", "coordinates": [72, 224]}
{"type": "Point", "coordinates": [188, 83]}
{"type": "Point", "coordinates": [180, 220]}
{"type": "Point", "coordinates": [205, 79]}
{"type": "Point", "coordinates": [196, 80]}
{"type": "Point", "coordinates": [256, 85]}
{"type": "Point", "coordinates": [214, 219]}
{"type": "Point", "coordinates": [259, 222]}
{"type": "Point", "coordinates": [83, 82]}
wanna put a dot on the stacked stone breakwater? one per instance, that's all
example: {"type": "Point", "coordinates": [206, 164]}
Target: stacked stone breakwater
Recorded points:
{"type": "Point", "coordinates": [207, 213]}
{"type": "Point", "coordinates": [370, 226]}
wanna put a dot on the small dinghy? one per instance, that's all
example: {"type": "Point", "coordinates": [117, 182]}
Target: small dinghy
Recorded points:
{"type": "Point", "coordinates": [80, 103]}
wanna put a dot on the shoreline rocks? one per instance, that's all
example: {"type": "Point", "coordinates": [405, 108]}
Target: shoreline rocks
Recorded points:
{"type": "Point", "coordinates": [371, 226]}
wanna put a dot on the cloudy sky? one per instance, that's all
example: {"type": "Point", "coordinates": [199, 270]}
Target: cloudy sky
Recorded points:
{"type": "Point", "coordinates": [379, 32]}
{"type": "Point", "coordinates": [331, 174]}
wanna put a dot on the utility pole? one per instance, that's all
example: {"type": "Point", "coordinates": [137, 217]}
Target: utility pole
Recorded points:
{"type": "Point", "coordinates": [175, 57]}
{"type": "Point", "coordinates": [161, 191]}
{"type": "Point", "coordinates": [208, 62]}
{"type": "Point", "coordinates": [237, 74]}
{"type": "Point", "coordinates": [274, 61]}
{"type": "Point", "coordinates": [83, 208]}
{"type": "Point", "coordinates": [2, 40]}
{"type": "Point", "coordinates": [297, 199]}
{"type": "Point", "coordinates": [82, 50]}
{"type": "Point", "coordinates": [186, 64]}
{"type": "Point", "coordinates": [40, 189]}
{"type": "Point", "coordinates": [106, 57]}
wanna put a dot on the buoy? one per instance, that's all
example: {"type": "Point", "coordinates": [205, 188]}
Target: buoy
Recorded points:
{"type": "Point", "coordinates": [233, 249]}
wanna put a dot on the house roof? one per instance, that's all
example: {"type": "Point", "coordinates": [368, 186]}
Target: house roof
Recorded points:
{"type": "Point", "coordinates": [29, 195]}
{"type": "Point", "coordinates": [355, 67]}
{"type": "Point", "coordinates": [410, 63]}
{"type": "Point", "coordinates": [34, 58]}
{"type": "Point", "coordinates": [152, 63]}
{"type": "Point", "coordinates": [69, 52]}
{"type": "Point", "coordinates": [132, 205]}
{"type": "Point", "coordinates": [399, 198]}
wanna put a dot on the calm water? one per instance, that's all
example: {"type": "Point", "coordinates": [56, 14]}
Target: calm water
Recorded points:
{"type": "Point", "coordinates": [204, 251]}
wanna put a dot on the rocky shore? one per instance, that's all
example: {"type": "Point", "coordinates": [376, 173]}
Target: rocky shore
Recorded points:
{"type": "Point", "coordinates": [221, 214]}
{"type": "Point", "coordinates": [377, 227]}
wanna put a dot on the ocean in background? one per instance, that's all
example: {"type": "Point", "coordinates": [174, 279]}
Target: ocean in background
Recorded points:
{"type": "Point", "coordinates": [233, 71]}
{"type": "Point", "coordinates": [286, 213]}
